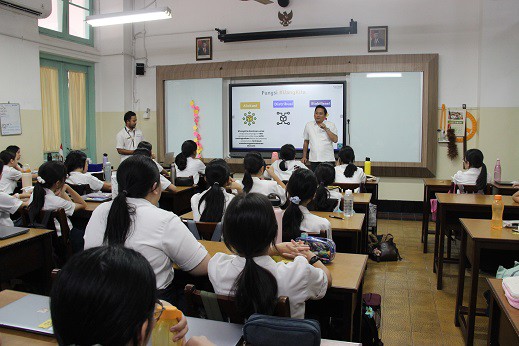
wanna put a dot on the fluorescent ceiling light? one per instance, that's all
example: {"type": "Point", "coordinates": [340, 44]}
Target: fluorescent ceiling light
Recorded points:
{"type": "Point", "coordinates": [384, 75]}
{"type": "Point", "coordinates": [129, 16]}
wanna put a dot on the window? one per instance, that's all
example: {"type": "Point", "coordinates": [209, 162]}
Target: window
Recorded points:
{"type": "Point", "coordinates": [67, 21]}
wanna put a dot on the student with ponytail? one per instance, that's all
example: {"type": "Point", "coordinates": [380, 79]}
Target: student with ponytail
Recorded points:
{"type": "Point", "coordinates": [287, 163]}
{"type": "Point", "coordinates": [133, 220]}
{"type": "Point", "coordinates": [210, 205]}
{"type": "Point", "coordinates": [301, 189]}
{"type": "Point", "coordinates": [51, 193]}
{"type": "Point", "coordinates": [476, 171]}
{"type": "Point", "coordinates": [346, 171]}
{"type": "Point", "coordinates": [77, 167]}
{"type": "Point", "coordinates": [325, 174]}
{"type": "Point", "coordinates": [9, 204]}
{"type": "Point", "coordinates": [165, 184]}
{"type": "Point", "coordinates": [250, 274]}
{"type": "Point", "coordinates": [255, 167]}
{"type": "Point", "coordinates": [185, 163]}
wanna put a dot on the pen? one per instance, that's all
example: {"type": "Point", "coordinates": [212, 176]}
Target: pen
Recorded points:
{"type": "Point", "coordinates": [336, 217]}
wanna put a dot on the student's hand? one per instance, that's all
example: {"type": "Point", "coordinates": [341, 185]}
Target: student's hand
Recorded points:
{"type": "Point", "coordinates": [292, 249]}
{"type": "Point", "coordinates": [270, 170]}
{"type": "Point", "coordinates": [180, 328]}
{"type": "Point", "coordinates": [304, 160]}
{"type": "Point", "coordinates": [516, 185]}
{"type": "Point", "coordinates": [199, 341]}
{"type": "Point", "coordinates": [235, 186]}
{"type": "Point", "coordinates": [308, 255]}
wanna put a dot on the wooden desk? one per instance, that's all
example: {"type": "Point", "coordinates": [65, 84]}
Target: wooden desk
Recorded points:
{"type": "Point", "coordinates": [372, 188]}
{"type": "Point", "coordinates": [451, 207]}
{"type": "Point", "coordinates": [477, 235]}
{"type": "Point", "coordinates": [503, 325]}
{"type": "Point", "coordinates": [342, 300]}
{"type": "Point", "coordinates": [27, 253]}
{"type": "Point", "coordinates": [430, 188]}
{"type": "Point", "coordinates": [179, 202]}
{"type": "Point", "coordinates": [507, 190]}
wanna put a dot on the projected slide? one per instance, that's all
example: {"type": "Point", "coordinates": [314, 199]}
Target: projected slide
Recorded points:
{"type": "Point", "coordinates": [265, 117]}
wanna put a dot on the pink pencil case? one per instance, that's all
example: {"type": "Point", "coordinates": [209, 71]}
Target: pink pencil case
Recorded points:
{"type": "Point", "coordinates": [512, 301]}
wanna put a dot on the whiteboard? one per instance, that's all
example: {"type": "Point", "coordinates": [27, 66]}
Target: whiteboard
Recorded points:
{"type": "Point", "coordinates": [10, 120]}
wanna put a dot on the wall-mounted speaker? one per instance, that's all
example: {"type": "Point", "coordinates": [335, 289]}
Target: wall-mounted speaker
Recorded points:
{"type": "Point", "coordinates": [139, 69]}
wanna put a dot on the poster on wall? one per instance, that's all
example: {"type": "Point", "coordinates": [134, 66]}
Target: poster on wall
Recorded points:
{"type": "Point", "coordinates": [456, 121]}
{"type": "Point", "coordinates": [10, 120]}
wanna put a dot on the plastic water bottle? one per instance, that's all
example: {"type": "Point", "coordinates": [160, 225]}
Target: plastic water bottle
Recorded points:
{"type": "Point", "coordinates": [161, 336]}
{"type": "Point", "coordinates": [497, 171]}
{"type": "Point", "coordinates": [367, 166]}
{"type": "Point", "coordinates": [173, 174]}
{"type": "Point", "coordinates": [107, 169]}
{"type": "Point", "coordinates": [105, 159]}
{"type": "Point", "coordinates": [274, 157]}
{"type": "Point", "coordinates": [497, 213]}
{"type": "Point", "coordinates": [348, 203]}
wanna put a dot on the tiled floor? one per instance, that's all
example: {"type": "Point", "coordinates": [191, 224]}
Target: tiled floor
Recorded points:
{"type": "Point", "coordinates": [413, 311]}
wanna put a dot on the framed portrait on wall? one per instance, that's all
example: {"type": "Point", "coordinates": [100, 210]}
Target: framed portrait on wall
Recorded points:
{"type": "Point", "coordinates": [204, 48]}
{"type": "Point", "coordinates": [377, 39]}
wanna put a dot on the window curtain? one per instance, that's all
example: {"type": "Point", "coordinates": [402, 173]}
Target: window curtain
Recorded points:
{"type": "Point", "coordinates": [49, 84]}
{"type": "Point", "coordinates": [77, 109]}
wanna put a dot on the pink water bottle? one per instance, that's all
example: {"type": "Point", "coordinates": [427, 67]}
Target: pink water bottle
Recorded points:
{"type": "Point", "coordinates": [274, 157]}
{"type": "Point", "coordinates": [497, 171]}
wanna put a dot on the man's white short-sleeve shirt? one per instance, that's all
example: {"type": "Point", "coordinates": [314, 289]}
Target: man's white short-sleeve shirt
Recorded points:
{"type": "Point", "coordinates": [321, 146]}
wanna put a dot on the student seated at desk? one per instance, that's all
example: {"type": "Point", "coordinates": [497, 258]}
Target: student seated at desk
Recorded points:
{"type": "Point", "coordinates": [17, 152]}
{"type": "Point", "coordinates": [476, 171]}
{"type": "Point", "coordinates": [147, 145]}
{"type": "Point", "coordinates": [346, 171]}
{"type": "Point", "coordinates": [287, 163]}
{"type": "Point", "coordinates": [133, 220]}
{"type": "Point", "coordinates": [165, 184]}
{"type": "Point", "coordinates": [9, 204]}
{"type": "Point", "coordinates": [325, 174]}
{"type": "Point", "coordinates": [185, 163]}
{"type": "Point", "coordinates": [251, 274]}
{"type": "Point", "coordinates": [77, 167]}
{"type": "Point", "coordinates": [254, 166]}
{"type": "Point", "coordinates": [301, 190]}
{"type": "Point", "coordinates": [210, 205]}
{"type": "Point", "coordinates": [106, 296]}
{"type": "Point", "coordinates": [51, 193]}
{"type": "Point", "coordinates": [10, 174]}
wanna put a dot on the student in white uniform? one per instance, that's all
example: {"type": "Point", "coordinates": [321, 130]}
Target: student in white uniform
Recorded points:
{"type": "Point", "coordinates": [147, 145]}
{"type": "Point", "coordinates": [320, 136]}
{"type": "Point", "coordinates": [51, 193]}
{"type": "Point", "coordinates": [254, 277]}
{"type": "Point", "coordinates": [287, 164]}
{"type": "Point", "coordinates": [210, 205]}
{"type": "Point", "coordinates": [346, 171]}
{"type": "Point", "coordinates": [10, 175]}
{"type": "Point", "coordinates": [254, 166]}
{"type": "Point", "coordinates": [9, 205]}
{"type": "Point", "coordinates": [133, 220]}
{"type": "Point", "coordinates": [185, 163]}
{"type": "Point", "coordinates": [325, 174]}
{"type": "Point", "coordinates": [129, 136]}
{"type": "Point", "coordinates": [301, 190]}
{"type": "Point", "coordinates": [476, 171]}
{"type": "Point", "coordinates": [77, 167]}
{"type": "Point", "coordinates": [18, 154]}
{"type": "Point", "coordinates": [165, 184]}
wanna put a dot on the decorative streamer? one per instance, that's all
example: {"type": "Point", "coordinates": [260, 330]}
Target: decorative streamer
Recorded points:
{"type": "Point", "coordinates": [196, 134]}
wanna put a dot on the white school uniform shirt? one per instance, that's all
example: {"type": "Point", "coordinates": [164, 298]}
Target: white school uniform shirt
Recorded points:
{"type": "Point", "coordinates": [53, 203]}
{"type": "Point", "coordinates": [313, 224]}
{"type": "Point", "coordinates": [8, 205]}
{"type": "Point", "coordinates": [291, 165]}
{"type": "Point", "coordinates": [78, 178]}
{"type": "Point", "coordinates": [196, 198]}
{"type": "Point", "coordinates": [468, 177]}
{"type": "Point", "coordinates": [10, 177]}
{"type": "Point", "coordinates": [321, 146]}
{"type": "Point", "coordinates": [194, 168]}
{"type": "Point", "coordinates": [266, 187]}
{"type": "Point", "coordinates": [164, 182]}
{"type": "Point", "coordinates": [358, 176]}
{"type": "Point", "coordinates": [298, 280]}
{"type": "Point", "coordinates": [157, 234]}
{"type": "Point", "coordinates": [128, 139]}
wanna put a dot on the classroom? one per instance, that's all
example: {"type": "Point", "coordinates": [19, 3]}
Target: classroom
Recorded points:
{"type": "Point", "coordinates": [182, 81]}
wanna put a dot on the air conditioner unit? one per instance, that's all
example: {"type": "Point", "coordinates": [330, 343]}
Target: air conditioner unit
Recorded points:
{"type": "Point", "coordinates": [37, 8]}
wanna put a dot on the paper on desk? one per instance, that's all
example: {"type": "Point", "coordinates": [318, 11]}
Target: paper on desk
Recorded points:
{"type": "Point", "coordinates": [511, 223]}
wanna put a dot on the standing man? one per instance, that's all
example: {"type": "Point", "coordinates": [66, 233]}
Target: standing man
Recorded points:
{"type": "Point", "coordinates": [129, 137]}
{"type": "Point", "coordinates": [321, 135]}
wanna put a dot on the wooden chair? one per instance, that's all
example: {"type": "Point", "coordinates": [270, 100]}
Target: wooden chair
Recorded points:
{"type": "Point", "coordinates": [205, 230]}
{"type": "Point", "coordinates": [81, 189]}
{"type": "Point", "coordinates": [222, 307]}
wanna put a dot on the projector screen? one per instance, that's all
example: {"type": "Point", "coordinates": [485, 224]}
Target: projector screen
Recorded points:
{"type": "Point", "coordinates": [264, 117]}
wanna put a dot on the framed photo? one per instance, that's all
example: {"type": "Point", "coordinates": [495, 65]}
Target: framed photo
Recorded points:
{"type": "Point", "coordinates": [204, 48]}
{"type": "Point", "coordinates": [377, 39]}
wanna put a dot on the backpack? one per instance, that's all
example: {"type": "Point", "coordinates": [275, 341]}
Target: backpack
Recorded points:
{"type": "Point", "coordinates": [371, 311]}
{"type": "Point", "coordinates": [382, 248]}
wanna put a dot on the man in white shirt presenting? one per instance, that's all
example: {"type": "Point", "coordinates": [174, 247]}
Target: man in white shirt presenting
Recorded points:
{"type": "Point", "coordinates": [129, 137]}
{"type": "Point", "coordinates": [321, 135]}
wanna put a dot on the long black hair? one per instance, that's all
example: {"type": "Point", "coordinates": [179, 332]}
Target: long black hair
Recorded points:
{"type": "Point", "coordinates": [75, 159]}
{"type": "Point", "coordinates": [135, 178]}
{"type": "Point", "coordinates": [347, 157]}
{"type": "Point", "coordinates": [188, 149]}
{"type": "Point", "coordinates": [103, 296]}
{"type": "Point", "coordinates": [252, 163]}
{"type": "Point", "coordinates": [302, 184]}
{"type": "Point", "coordinates": [255, 288]}
{"type": "Point", "coordinates": [50, 173]}
{"type": "Point", "coordinates": [217, 175]}
{"type": "Point", "coordinates": [325, 174]}
{"type": "Point", "coordinates": [6, 156]}
{"type": "Point", "coordinates": [475, 159]}
{"type": "Point", "coordinates": [287, 152]}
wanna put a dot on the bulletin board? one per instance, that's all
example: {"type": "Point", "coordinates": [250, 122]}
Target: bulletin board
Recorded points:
{"type": "Point", "coordinates": [10, 120]}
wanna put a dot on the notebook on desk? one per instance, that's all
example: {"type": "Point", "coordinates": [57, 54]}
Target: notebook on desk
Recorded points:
{"type": "Point", "coordinates": [505, 182]}
{"type": "Point", "coordinates": [30, 313]}
{"type": "Point", "coordinates": [10, 231]}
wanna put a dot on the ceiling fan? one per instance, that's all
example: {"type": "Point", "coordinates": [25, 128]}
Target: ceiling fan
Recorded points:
{"type": "Point", "coordinates": [282, 3]}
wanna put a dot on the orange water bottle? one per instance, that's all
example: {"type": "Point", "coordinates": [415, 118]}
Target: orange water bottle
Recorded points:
{"type": "Point", "coordinates": [497, 213]}
{"type": "Point", "coordinates": [161, 335]}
